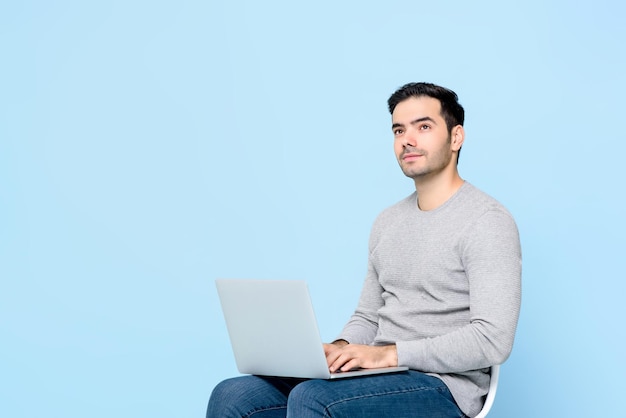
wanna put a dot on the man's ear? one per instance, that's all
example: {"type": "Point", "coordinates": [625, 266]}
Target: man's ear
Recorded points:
{"type": "Point", "coordinates": [457, 136]}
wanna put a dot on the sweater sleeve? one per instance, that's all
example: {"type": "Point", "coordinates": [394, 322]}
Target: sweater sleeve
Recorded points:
{"type": "Point", "coordinates": [491, 255]}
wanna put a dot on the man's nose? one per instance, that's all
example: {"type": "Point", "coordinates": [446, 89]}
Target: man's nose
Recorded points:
{"type": "Point", "coordinates": [410, 138]}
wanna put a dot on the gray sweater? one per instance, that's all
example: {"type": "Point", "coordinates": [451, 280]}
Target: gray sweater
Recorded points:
{"type": "Point", "coordinates": [444, 286]}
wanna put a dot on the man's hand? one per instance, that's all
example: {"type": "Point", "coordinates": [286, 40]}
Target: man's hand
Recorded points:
{"type": "Point", "coordinates": [343, 356]}
{"type": "Point", "coordinates": [328, 348]}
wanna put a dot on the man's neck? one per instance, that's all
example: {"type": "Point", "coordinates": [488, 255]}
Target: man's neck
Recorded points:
{"type": "Point", "coordinates": [434, 192]}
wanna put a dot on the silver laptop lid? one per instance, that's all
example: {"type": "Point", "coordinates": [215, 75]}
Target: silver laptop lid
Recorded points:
{"type": "Point", "coordinates": [272, 327]}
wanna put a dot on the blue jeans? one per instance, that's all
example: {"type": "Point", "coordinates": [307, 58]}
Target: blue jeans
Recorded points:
{"type": "Point", "coordinates": [406, 394]}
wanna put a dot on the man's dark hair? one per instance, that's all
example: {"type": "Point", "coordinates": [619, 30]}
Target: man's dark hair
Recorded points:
{"type": "Point", "coordinates": [451, 110]}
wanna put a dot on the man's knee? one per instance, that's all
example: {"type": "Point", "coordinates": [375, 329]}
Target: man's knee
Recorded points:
{"type": "Point", "coordinates": [225, 397]}
{"type": "Point", "coordinates": [249, 395]}
{"type": "Point", "coordinates": [307, 396]}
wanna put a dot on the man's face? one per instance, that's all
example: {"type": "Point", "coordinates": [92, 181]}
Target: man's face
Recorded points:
{"type": "Point", "coordinates": [421, 140]}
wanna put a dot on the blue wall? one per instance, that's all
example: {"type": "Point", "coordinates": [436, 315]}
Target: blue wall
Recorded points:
{"type": "Point", "coordinates": [149, 147]}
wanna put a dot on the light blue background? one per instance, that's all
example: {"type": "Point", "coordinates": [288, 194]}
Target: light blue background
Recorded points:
{"type": "Point", "coordinates": [149, 147]}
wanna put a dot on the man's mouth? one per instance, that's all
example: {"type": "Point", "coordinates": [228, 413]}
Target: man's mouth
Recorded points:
{"type": "Point", "coordinates": [411, 156]}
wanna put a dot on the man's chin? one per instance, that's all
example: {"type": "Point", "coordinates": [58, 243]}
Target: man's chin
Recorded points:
{"type": "Point", "coordinates": [412, 174]}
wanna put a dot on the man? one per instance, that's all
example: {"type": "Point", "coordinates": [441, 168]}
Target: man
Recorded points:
{"type": "Point", "coordinates": [441, 295]}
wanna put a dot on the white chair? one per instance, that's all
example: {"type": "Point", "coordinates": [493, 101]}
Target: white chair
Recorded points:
{"type": "Point", "coordinates": [493, 387]}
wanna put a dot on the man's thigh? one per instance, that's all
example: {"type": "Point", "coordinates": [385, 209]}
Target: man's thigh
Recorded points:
{"type": "Point", "coordinates": [407, 394]}
{"type": "Point", "coordinates": [251, 396]}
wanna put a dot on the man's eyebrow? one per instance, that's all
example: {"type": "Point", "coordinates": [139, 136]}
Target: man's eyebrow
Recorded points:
{"type": "Point", "coordinates": [424, 119]}
{"type": "Point", "coordinates": [413, 122]}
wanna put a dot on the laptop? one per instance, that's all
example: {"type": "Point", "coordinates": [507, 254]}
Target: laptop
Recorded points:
{"type": "Point", "coordinates": [273, 330]}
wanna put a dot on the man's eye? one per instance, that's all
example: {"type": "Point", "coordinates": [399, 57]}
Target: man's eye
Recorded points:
{"type": "Point", "coordinates": [397, 131]}
{"type": "Point", "coordinates": [424, 127]}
